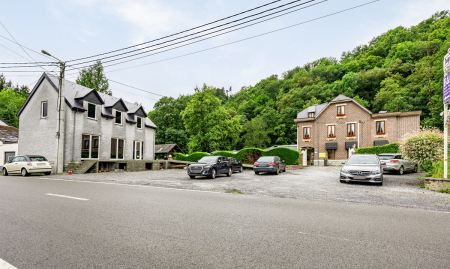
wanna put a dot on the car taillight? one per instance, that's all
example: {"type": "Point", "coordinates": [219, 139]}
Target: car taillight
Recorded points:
{"type": "Point", "coordinates": [394, 161]}
{"type": "Point", "coordinates": [271, 164]}
{"type": "Point", "coordinates": [255, 164]}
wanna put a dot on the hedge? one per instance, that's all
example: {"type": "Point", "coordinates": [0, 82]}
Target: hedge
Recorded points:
{"type": "Point", "coordinates": [389, 148]}
{"type": "Point", "coordinates": [247, 155]}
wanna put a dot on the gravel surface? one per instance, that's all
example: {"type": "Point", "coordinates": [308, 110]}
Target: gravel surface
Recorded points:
{"type": "Point", "coordinates": [312, 183]}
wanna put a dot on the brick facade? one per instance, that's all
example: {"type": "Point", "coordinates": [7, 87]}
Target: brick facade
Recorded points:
{"type": "Point", "coordinates": [397, 124]}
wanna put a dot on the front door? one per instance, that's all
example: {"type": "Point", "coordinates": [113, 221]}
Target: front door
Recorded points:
{"type": "Point", "coordinates": [309, 156]}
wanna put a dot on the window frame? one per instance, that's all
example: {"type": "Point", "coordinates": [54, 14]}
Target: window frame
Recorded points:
{"type": "Point", "coordinates": [331, 134]}
{"type": "Point", "coordinates": [90, 146]}
{"type": "Point", "coordinates": [117, 148]}
{"type": "Point", "coordinates": [333, 154]}
{"type": "Point", "coordinates": [342, 110]}
{"type": "Point", "coordinates": [115, 119]}
{"type": "Point", "coordinates": [311, 114]}
{"type": "Point", "coordinates": [307, 130]}
{"type": "Point", "coordinates": [382, 125]}
{"type": "Point", "coordinates": [42, 109]}
{"type": "Point", "coordinates": [137, 122]}
{"type": "Point", "coordinates": [95, 111]}
{"type": "Point", "coordinates": [352, 129]}
{"type": "Point", "coordinates": [141, 152]}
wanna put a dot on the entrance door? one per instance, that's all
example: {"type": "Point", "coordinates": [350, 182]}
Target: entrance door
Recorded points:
{"type": "Point", "coordinates": [309, 156]}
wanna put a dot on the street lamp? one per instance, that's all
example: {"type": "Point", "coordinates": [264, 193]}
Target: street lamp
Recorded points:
{"type": "Point", "coordinates": [60, 127]}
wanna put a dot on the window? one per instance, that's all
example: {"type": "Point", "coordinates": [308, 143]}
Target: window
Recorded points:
{"type": "Point", "coordinates": [380, 128]}
{"type": "Point", "coordinates": [117, 148]}
{"type": "Point", "coordinates": [331, 132]}
{"type": "Point", "coordinates": [91, 111]}
{"type": "Point", "coordinates": [341, 110]}
{"type": "Point", "coordinates": [351, 129]}
{"type": "Point", "coordinates": [311, 115]}
{"type": "Point", "coordinates": [118, 117]}
{"type": "Point", "coordinates": [139, 122]}
{"type": "Point", "coordinates": [90, 147]}
{"type": "Point", "coordinates": [138, 150]}
{"type": "Point", "coordinates": [44, 110]}
{"type": "Point", "coordinates": [306, 132]}
{"type": "Point", "coordinates": [331, 154]}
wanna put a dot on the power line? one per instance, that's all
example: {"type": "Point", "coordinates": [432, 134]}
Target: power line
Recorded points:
{"type": "Point", "coordinates": [241, 40]}
{"type": "Point", "coordinates": [178, 32]}
{"type": "Point", "coordinates": [204, 38]}
{"type": "Point", "coordinates": [22, 47]}
{"type": "Point", "coordinates": [27, 48]}
{"type": "Point", "coordinates": [135, 88]}
{"type": "Point", "coordinates": [183, 41]}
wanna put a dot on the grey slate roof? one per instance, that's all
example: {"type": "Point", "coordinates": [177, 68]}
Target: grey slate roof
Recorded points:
{"type": "Point", "coordinates": [75, 92]}
{"type": "Point", "coordinates": [314, 108]}
{"type": "Point", "coordinates": [164, 148]}
{"type": "Point", "coordinates": [9, 134]}
{"type": "Point", "coordinates": [341, 97]}
{"type": "Point", "coordinates": [5, 122]}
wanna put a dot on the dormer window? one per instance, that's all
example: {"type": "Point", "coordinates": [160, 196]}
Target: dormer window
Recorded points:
{"type": "Point", "coordinates": [311, 115]}
{"type": "Point", "coordinates": [118, 117]}
{"type": "Point", "coordinates": [139, 122]}
{"type": "Point", "coordinates": [340, 110]}
{"type": "Point", "coordinates": [91, 111]}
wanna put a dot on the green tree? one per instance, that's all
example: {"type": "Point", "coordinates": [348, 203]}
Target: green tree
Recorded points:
{"type": "Point", "coordinates": [94, 78]}
{"type": "Point", "coordinates": [256, 133]}
{"type": "Point", "coordinates": [10, 103]}
{"type": "Point", "coordinates": [166, 115]}
{"type": "Point", "coordinates": [394, 97]}
{"type": "Point", "coordinates": [210, 126]}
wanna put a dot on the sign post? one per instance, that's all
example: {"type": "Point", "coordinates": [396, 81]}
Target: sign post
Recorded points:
{"type": "Point", "coordinates": [446, 93]}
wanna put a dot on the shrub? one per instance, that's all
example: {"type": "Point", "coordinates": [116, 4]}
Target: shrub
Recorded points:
{"type": "Point", "coordinates": [424, 146]}
{"type": "Point", "coordinates": [389, 148]}
{"type": "Point", "coordinates": [247, 155]}
{"type": "Point", "coordinates": [438, 169]}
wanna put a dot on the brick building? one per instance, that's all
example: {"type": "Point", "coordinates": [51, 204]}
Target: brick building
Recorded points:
{"type": "Point", "coordinates": [331, 130]}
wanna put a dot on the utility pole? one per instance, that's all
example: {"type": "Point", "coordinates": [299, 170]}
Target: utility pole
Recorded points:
{"type": "Point", "coordinates": [446, 93]}
{"type": "Point", "coordinates": [61, 116]}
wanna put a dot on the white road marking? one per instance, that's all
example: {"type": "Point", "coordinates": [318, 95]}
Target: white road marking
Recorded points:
{"type": "Point", "coordinates": [5, 265]}
{"type": "Point", "coordinates": [70, 197]}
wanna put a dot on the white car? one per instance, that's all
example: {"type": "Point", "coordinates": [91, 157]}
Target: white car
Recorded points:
{"type": "Point", "coordinates": [28, 164]}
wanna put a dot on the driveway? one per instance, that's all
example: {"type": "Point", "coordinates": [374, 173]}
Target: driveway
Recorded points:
{"type": "Point", "coordinates": [312, 183]}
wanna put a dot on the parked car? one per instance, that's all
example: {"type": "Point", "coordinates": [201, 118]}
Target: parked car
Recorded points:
{"type": "Point", "coordinates": [236, 165]}
{"type": "Point", "coordinates": [210, 166]}
{"type": "Point", "coordinates": [395, 163]}
{"type": "Point", "coordinates": [27, 164]}
{"type": "Point", "coordinates": [270, 164]}
{"type": "Point", "coordinates": [362, 168]}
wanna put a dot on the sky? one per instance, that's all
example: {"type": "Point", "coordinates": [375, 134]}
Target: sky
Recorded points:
{"type": "Point", "coordinates": [75, 29]}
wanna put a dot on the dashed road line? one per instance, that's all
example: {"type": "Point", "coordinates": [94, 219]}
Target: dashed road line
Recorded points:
{"type": "Point", "coordinates": [69, 197]}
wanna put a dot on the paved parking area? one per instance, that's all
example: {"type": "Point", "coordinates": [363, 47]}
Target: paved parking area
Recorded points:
{"type": "Point", "coordinates": [312, 183]}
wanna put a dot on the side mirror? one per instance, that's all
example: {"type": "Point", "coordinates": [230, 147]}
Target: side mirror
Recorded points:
{"type": "Point", "coordinates": [342, 162]}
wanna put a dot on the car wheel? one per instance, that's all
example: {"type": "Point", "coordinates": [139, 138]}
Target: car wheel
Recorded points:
{"type": "Point", "coordinates": [400, 171]}
{"type": "Point", "coordinates": [241, 169]}
{"type": "Point", "coordinates": [342, 181]}
{"type": "Point", "coordinates": [5, 173]}
{"type": "Point", "coordinates": [230, 172]}
{"type": "Point", "coordinates": [24, 172]}
{"type": "Point", "coordinates": [416, 168]}
{"type": "Point", "coordinates": [213, 174]}
{"type": "Point", "coordinates": [47, 173]}
{"type": "Point", "coordinates": [257, 173]}
{"type": "Point", "coordinates": [192, 177]}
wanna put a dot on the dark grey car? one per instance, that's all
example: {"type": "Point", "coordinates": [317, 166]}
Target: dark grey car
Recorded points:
{"type": "Point", "coordinates": [210, 166]}
{"type": "Point", "coordinates": [362, 168]}
{"type": "Point", "coordinates": [270, 164]}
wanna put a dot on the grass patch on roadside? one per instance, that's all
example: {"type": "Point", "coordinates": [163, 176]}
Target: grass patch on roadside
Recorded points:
{"type": "Point", "coordinates": [422, 186]}
{"type": "Point", "coordinates": [445, 191]}
{"type": "Point", "coordinates": [235, 191]}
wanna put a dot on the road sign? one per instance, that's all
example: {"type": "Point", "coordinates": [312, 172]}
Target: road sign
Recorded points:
{"type": "Point", "coordinates": [447, 88]}
{"type": "Point", "coordinates": [447, 62]}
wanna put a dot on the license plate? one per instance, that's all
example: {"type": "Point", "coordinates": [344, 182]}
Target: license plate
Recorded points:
{"type": "Point", "coordinates": [359, 177]}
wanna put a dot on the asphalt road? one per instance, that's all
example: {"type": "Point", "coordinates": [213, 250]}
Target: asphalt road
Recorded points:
{"type": "Point", "coordinates": [125, 226]}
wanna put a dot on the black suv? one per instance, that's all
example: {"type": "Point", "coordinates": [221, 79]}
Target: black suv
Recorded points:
{"type": "Point", "coordinates": [210, 166]}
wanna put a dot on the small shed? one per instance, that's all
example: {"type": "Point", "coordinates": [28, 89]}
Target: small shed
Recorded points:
{"type": "Point", "coordinates": [166, 150]}
{"type": "Point", "coordinates": [9, 138]}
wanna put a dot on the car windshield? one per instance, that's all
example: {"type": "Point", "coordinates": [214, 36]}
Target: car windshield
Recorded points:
{"type": "Point", "coordinates": [208, 159]}
{"type": "Point", "coordinates": [266, 159]}
{"type": "Point", "coordinates": [38, 159]}
{"type": "Point", "coordinates": [362, 159]}
{"type": "Point", "coordinates": [386, 157]}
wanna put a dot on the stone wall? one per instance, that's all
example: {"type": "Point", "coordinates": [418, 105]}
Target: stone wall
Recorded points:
{"type": "Point", "coordinates": [436, 184]}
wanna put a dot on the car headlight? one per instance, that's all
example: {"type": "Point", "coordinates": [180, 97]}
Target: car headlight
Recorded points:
{"type": "Point", "coordinates": [206, 166]}
{"type": "Point", "coordinates": [344, 170]}
{"type": "Point", "coordinates": [375, 172]}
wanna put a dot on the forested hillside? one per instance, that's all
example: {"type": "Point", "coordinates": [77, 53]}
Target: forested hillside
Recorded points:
{"type": "Point", "coordinates": [399, 70]}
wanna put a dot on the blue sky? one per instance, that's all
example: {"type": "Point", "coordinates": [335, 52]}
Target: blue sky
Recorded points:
{"type": "Point", "coordinates": [78, 28]}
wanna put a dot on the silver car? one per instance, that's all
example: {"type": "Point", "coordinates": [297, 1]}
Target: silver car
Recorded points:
{"type": "Point", "coordinates": [395, 163]}
{"type": "Point", "coordinates": [362, 168]}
